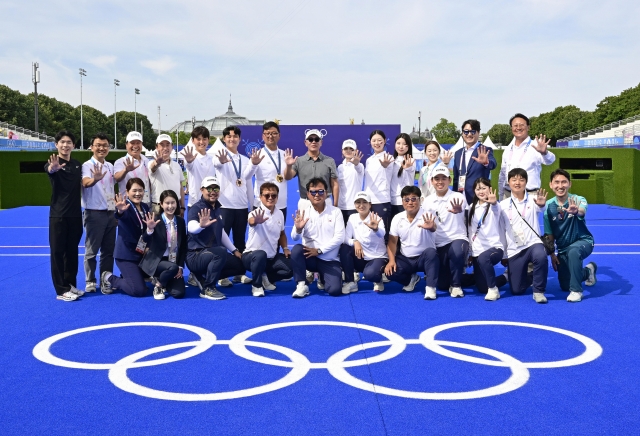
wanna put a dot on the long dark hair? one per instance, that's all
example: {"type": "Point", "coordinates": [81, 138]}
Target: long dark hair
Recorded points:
{"type": "Point", "coordinates": [165, 194]}
{"type": "Point", "coordinates": [472, 210]}
{"type": "Point", "coordinates": [407, 140]}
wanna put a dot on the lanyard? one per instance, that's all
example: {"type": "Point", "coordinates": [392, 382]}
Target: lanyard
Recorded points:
{"type": "Point", "coordinates": [484, 215]}
{"type": "Point", "coordinates": [102, 165]}
{"type": "Point", "coordinates": [143, 165]}
{"type": "Point", "coordinates": [463, 160]}
{"type": "Point", "coordinates": [237, 169]}
{"type": "Point", "coordinates": [137, 214]}
{"type": "Point", "coordinates": [521, 156]}
{"type": "Point", "coordinates": [511, 204]}
{"type": "Point", "coordinates": [278, 167]}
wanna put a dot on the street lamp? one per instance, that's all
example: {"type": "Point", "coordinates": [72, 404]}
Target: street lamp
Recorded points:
{"type": "Point", "coordinates": [135, 109]}
{"type": "Point", "coordinates": [116, 83]}
{"type": "Point", "coordinates": [159, 129]}
{"type": "Point", "coordinates": [35, 78]}
{"type": "Point", "coordinates": [419, 125]}
{"type": "Point", "coordinates": [82, 73]}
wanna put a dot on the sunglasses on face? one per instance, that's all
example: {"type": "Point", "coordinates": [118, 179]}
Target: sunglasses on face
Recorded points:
{"type": "Point", "coordinates": [270, 133]}
{"type": "Point", "coordinates": [270, 196]}
{"type": "Point", "coordinates": [469, 132]}
{"type": "Point", "coordinates": [315, 192]}
{"type": "Point", "coordinates": [410, 199]}
{"type": "Point", "coordinates": [313, 139]}
{"type": "Point", "coordinates": [211, 189]}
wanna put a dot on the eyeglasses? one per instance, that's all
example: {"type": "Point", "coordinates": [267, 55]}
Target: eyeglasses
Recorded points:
{"type": "Point", "coordinates": [270, 196]}
{"type": "Point", "coordinates": [518, 126]}
{"type": "Point", "coordinates": [270, 133]}
{"type": "Point", "coordinates": [313, 139]}
{"type": "Point", "coordinates": [211, 189]}
{"type": "Point", "coordinates": [410, 199]}
{"type": "Point", "coordinates": [469, 132]}
{"type": "Point", "coordinates": [315, 192]}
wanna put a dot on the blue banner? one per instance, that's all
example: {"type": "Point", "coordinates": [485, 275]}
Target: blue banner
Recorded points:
{"type": "Point", "coordinates": [597, 142]}
{"type": "Point", "coordinates": [18, 144]}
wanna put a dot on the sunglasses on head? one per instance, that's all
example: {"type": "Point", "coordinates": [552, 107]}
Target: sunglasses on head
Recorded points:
{"type": "Point", "coordinates": [270, 196]}
{"type": "Point", "coordinates": [211, 189]}
{"type": "Point", "coordinates": [315, 192]}
{"type": "Point", "coordinates": [469, 132]}
{"type": "Point", "coordinates": [313, 139]}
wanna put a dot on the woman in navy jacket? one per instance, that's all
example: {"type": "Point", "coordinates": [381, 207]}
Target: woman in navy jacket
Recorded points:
{"type": "Point", "coordinates": [166, 250]}
{"type": "Point", "coordinates": [130, 213]}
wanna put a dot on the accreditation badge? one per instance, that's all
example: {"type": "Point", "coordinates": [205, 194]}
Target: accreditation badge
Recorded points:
{"type": "Point", "coordinates": [461, 183]}
{"type": "Point", "coordinates": [141, 246]}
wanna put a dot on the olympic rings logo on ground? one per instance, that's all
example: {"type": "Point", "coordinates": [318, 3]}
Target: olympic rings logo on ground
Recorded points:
{"type": "Point", "coordinates": [337, 364]}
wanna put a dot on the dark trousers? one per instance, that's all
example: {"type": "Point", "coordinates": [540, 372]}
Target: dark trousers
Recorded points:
{"type": "Point", "coordinates": [517, 271]}
{"type": "Point", "coordinates": [276, 268]}
{"type": "Point", "coordinates": [166, 273]}
{"type": "Point", "coordinates": [207, 264]}
{"type": "Point", "coordinates": [346, 214]}
{"type": "Point", "coordinates": [372, 269]}
{"type": "Point", "coordinates": [483, 272]}
{"type": "Point", "coordinates": [64, 237]}
{"type": "Point", "coordinates": [427, 263]}
{"type": "Point", "coordinates": [384, 212]}
{"type": "Point", "coordinates": [453, 258]}
{"type": "Point", "coordinates": [132, 280]}
{"type": "Point", "coordinates": [330, 270]}
{"type": "Point", "coordinates": [100, 235]}
{"type": "Point", "coordinates": [235, 225]}
{"type": "Point", "coordinates": [571, 273]}
{"type": "Point", "coordinates": [395, 210]}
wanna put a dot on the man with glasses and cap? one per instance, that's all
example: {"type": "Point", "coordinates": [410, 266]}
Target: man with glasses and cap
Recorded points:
{"type": "Point", "coordinates": [165, 174]}
{"type": "Point", "coordinates": [272, 168]}
{"type": "Point", "coordinates": [133, 165]}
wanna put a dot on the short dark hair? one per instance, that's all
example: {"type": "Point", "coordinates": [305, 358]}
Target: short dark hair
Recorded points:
{"type": "Point", "coordinates": [410, 190]}
{"type": "Point", "coordinates": [316, 181]}
{"type": "Point", "coordinates": [519, 115]}
{"type": "Point", "coordinates": [269, 125]}
{"type": "Point", "coordinates": [269, 186]}
{"type": "Point", "coordinates": [378, 132]}
{"type": "Point", "coordinates": [560, 172]}
{"type": "Point", "coordinates": [475, 124]}
{"type": "Point", "coordinates": [428, 143]}
{"type": "Point", "coordinates": [134, 180]}
{"type": "Point", "coordinates": [168, 193]}
{"type": "Point", "coordinates": [518, 172]}
{"type": "Point", "coordinates": [229, 129]}
{"type": "Point", "coordinates": [200, 131]}
{"type": "Point", "coordinates": [99, 135]}
{"type": "Point", "coordinates": [62, 133]}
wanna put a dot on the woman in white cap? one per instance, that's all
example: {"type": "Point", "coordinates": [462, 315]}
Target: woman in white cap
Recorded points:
{"type": "Point", "coordinates": [404, 171]}
{"type": "Point", "coordinates": [364, 249]}
{"type": "Point", "coordinates": [435, 156]}
{"type": "Point", "coordinates": [350, 178]}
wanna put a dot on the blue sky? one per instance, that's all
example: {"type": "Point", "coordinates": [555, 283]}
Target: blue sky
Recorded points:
{"type": "Point", "coordinates": [307, 62]}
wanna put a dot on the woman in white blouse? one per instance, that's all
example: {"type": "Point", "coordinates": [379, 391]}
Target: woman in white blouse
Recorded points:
{"type": "Point", "coordinates": [435, 156]}
{"type": "Point", "coordinates": [404, 171]}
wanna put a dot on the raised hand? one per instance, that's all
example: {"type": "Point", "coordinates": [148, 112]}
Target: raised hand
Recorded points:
{"type": "Point", "coordinates": [492, 197]}
{"type": "Point", "coordinates": [258, 216]}
{"type": "Point", "coordinates": [96, 172]}
{"type": "Point", "coordinates": [121, 203]}
{"type": "Point", "coordinates": [159, 159]}
{"type": "Point", "coordinates": [446, 157]}
{"type": "Point", "coordinates": [150, 222]}
{"type": "Point", "coordinates": [289, 159]}
{"type": "Point", "coordinates": [223, 157]}
{"type": "Point", "coordinates": [356, 157]}
{"type": "Point", "coordinates": [408, 162]}
{"type": "Point", "coordinates": [483, 155]}
{"type": "Point", "coordinates": [204, 216]}
{"type": "Point", "coordinates": [54, 163]}
{"type": "Point", "coordinates": [255, 157]}
{"type": "Point", "coordinates": [130, 164]}
{"type": "Point", "coordinates": [386, 160]}
{"type": "Point", "coordinates": [456, 205]}
{"type": "Point", "coordinates": [541, 144]}
{"type": "Point", "coordinates": [428, 222]}
{"type": "Point", "coordinates": [374, 221]}
{"type": "Point", "coordinates": [299, 220]}
{"type": "Point", "coordinates": [541, 198]}
{"type": "Point", "coordinates": [189, 154]}
{"type": "Point", "coordinates": [357, 247]}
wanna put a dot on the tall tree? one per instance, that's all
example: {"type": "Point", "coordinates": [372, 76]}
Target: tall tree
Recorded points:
{"type": "Point", "coordinates": [446, 132]}
{"type": "Point", "coordinates": [500, 134]}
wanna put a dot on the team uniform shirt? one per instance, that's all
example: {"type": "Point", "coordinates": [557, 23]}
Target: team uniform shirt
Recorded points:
{"type": "Point", "coordinates": [450, 226]}
{"type": "Point", "coordinates": [377, 179]}
{"type": "Point", "coordinates": [142, 172]}
{"type": "Point", "coordinates": [324, 231]}
{"type": "Point", "coordinates": [233, 196]}
{"type": "Point", "coordinates": [518, 235]}
{"type": "Point", "coordinates": [168, 175]}
{"type": "Point", "coordinates": [527, 158]}
{"type": "Point", "coordinates": [350, 179]}
{"type": "Point", "coordinates": [566, 229]}
{"type": "Point", "coordinates": [414, 239]}
{"type": "Point", "coordinates": [372, 242]}
{"type": "Point", "coordinates": [267, 172]}
{"type": "Point", "coordinates": [485, 231]}
{"type": "Point", "coordinates": [197, 170]}
{"type": "Point", "coordinates": [424, 179]}
{"type": "Point", "coordinates": [100, 196]}
{"type": "Point", "coordinates": [66, 184]}
{"type": "Point", "coordinates": [265, 236]}
{"type": "Point", "coordinates": [407, 178]}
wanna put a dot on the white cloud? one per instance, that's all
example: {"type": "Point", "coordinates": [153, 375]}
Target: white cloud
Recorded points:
{"type": "Point", "coordinates": [104, 61]}
{"type": "Point", "coordinates": [160, 65]}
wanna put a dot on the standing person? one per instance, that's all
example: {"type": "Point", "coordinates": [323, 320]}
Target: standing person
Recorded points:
{"type": "Point", "coordinates": [414, 230]}
{"type": "Point", "coordinates": [350, 178]}
{"type": "Point", "coordinates": [272, 168]}
{"type": "Point", "coordinates": [197, 162]}
{"type": "Point", "coordinates": [565, 223]}
{"type": "Point", "coordinates": [364, 249]}
{"type": "Point", "coordinates": [133, 165]}
{"type": "Point", "coordinates": [377, 177]}
{"type": "Point", "coordinates": [166, 240]}
{"type": "Point", "coordinates": [471, 161]}
{"type": "Point", "coordinates": [404, 171]}
{"type": "Point", "coordinates": [321, 229]}
{"type": "Point", "coordinates": [65, 217]}
{"type": "Point", "coordinates": [435, 156]}
{"type": "Point", "coordinates": [526, 153]}
{"type": "Point", "coordinates": [130, 213]}
{"type": "Point", "coordinates": [266, 236]}
{"type": "Point", "coordinates": [451, 235]}
{"type": "Point", "coordinates": [98, 199]}
{"type": "Point", "coordinates": [165, 174]}
{"type": "Point", "coordinates": [312, 165]}
{"type": "Point", "coordinates": [520, 218]}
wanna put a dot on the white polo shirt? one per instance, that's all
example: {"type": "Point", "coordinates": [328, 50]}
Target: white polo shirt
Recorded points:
{"type": "Point", "coordinates": [526, 157]}
{"type": "Point", "coordinates": [350, 179]}
{"type": "Point", "coordinates": [233, 196]}
{"type": "Point", "coordinates": [512, 223]}
{"type": "Point", "coordinates": [100, 196]}
{"type": "Point", "coordinates": [323, 230]}
{"type": "Point", "coordinates": [377, 179]}
{"type": "Point", "coordinates": [414, 239]}
{"type": "Point", "coordinates": [372, 242]}
{"type": "Point", "coordinates": [450, 226]}
{"type": "Point", "coordinates": [407, 178]}
{"type": "Point", "coordinates": [489, 234]}
{"type": "Point", "coordinates": [168, 175]}
{"type": "Point", "coordinates": [266, 172]}
{"type": "Point", "coordinates": [142, 173]}
{"type": "Point", "coordinates": [197, 170]}
{"type": "Point", "coordinates": [265, 236]}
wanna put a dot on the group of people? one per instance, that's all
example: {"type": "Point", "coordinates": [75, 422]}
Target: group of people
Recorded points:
{"type": "Point", "coordinates": [353, 218]}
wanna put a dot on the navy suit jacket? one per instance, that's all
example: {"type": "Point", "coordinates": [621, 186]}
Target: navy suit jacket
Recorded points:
{"type": "Point", "coordinates": [129, 233]}
{"type": "Point", "coordinates": [474, 171]}
{"type": "Point", "coordinates": [157, 244]}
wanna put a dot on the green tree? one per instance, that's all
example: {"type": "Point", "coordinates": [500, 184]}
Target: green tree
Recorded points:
{"type": "Point", "coordinates": [446, 132]}
{"type": "Point", "coordinates": [500, 134]}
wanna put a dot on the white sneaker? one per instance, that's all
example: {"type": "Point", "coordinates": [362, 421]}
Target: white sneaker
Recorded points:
{"type": "Point", "coordinates": [67, 296]}
{"type": "Point", "coordinates": [257, 292]}
{"type": "Point", "coordinates": [539, 297]}
{"type": "Point", "coordinates": [356, 277]}
{"type": "Point", "coordinates": [456, 292]}
{"type": "Point", "coordinates": [309, 276]}
{"type": "Point", "coordinates": [349, 287]}
{"type": "Point", "coordinates": [90, 287]}
{"type": "Point", "coordinates": [266, 284]}
{"type": "Point", "coordinates": [302, 290]}
{"type": "Point", "coordinates": [385, 279]}
{"type": "Point", "coordinates": [415, 278]}
{"type": "Point", "coordinates": [76, 291]}
{"type": "Point", "coordinates": [242, 279]}
{"type": "Point", "coordinates": [320, 284]}
{"type": "Point", "coordinates": [430, 293]}
{"type": "Point", "coordinates": [492, 294]}
{"type": "Point", "coordinates": [574, 297]}
{"type": "Point", "coordinates": [378, 286]}
{"type": "Point", "coordinates": [592, 280]}
{"type": "Point", "coordinates": [158, 293]}
{"type": "Point", "coordinates": [225, 283]}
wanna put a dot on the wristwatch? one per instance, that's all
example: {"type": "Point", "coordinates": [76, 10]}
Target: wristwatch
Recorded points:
{"type": "Point", "coordinates": [319, 251]}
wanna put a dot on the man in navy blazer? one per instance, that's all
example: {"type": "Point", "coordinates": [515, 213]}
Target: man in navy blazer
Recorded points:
{"type": "Point", "coordinates": [472, 161]}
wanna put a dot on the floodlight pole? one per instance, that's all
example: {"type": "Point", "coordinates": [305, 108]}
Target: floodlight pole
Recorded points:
{"type": "Point", "coordinates": [116, 83]}
{"type": "Point", "coordinates": [82, 73]}
{"type": "Point", "coordinates": [35, 78]}
{"type": "Point", "coordinates": [135, 109]}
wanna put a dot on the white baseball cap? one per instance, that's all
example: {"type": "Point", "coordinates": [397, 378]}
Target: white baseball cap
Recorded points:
{"type": "Point", "coordinates": [132, 136]}
{"type": "Point", "coordinates": [441, 169]}
{"type": "Point", "coordinates": [163, 137]}
{"type": "Point", "coordinates": [209, 181]}
{"type": "Point", "coordinates": [313, 132]}
{"type": "Point", "coordinates": [349, 143]}
{"type": "Point", "coordinates": [362, 195]}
